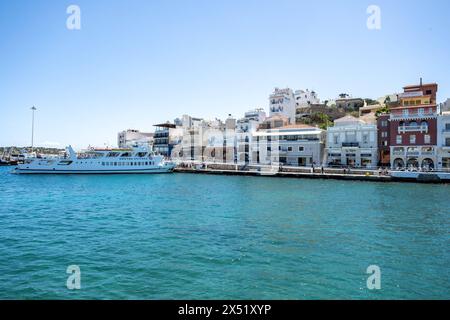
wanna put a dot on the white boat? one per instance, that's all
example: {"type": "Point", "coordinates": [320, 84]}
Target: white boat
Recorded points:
{"type": "Point", "coordinates": [423, 176]}
{"type": "Point", "coordinates": [98, 161]}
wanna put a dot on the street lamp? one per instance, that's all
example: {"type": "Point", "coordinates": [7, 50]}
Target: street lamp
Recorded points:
{"type": "Point", "coordinates": [32, 128]}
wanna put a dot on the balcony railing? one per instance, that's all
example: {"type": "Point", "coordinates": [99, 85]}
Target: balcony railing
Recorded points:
{"type": "Point", "coordinates": [350, 144]}
{"type": "Point", "coordinates": [412, 114]}
{"type": "Point", "coordinates": [421, 128]}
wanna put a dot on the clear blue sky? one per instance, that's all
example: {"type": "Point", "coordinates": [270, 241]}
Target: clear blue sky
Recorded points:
{"type": "Point", "coordinates": [137, 63]}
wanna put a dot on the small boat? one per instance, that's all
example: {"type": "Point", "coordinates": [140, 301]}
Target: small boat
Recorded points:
{"type": "Point", "coordinates": [98, 161]}
{"type": "Point", "coordinates": [4, 163]}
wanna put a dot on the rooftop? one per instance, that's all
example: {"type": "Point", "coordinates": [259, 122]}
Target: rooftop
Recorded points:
{"type": "Point", "coordinates": [419, 85]}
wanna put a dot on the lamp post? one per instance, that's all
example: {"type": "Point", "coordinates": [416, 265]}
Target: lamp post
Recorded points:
{"type": "Point", "coordinates": [32, 128]}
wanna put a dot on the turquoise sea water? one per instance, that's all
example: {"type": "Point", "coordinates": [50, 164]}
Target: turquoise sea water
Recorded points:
{"type": "Point", "coordinates": [182, 236]}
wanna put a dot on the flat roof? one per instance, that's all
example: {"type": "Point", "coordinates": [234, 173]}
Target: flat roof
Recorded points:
{"type": "Point", "coordinates": [418, 85]}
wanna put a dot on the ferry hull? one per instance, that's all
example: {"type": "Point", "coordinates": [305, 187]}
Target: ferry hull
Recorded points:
{"type": "Point", "coordinates": [138, 171]}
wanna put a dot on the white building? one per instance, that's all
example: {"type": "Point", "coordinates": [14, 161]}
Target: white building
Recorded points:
{"type": "Point", "coordinates": [443, 146]}
{"type": "Point", "coordinates": [304, 98]}
{"type": "Point", "coordinates": [445, 106]}
{"type": "Point", "coordinates": [206, 140]}
{"type": "Point", "coordinates": [352, 142]}
{"type": "Point", "coordinates": [290, 145]}
{"type": "Point", "coordinates": [282, 102]}
{"type": "Point", "coordinates": [131, 137]}
{"type": "Point", "coordinates": [245, 129]}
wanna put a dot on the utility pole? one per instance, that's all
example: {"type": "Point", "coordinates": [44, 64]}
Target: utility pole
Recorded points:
{"type": "Point", "coordinates": [32, 128]}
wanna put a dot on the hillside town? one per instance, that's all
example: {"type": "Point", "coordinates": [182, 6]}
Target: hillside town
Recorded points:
{"type": "Point", "coordinates": [407, 130]}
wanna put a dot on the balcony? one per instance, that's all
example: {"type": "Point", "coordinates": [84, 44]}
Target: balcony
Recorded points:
{"type": "Point", "coordinates": [350, 144]}
{"type": "Point", "coordinates": [413, 153]}
{"type": "Point", "coordinates": [412, 114]}
{"type": "Point", "coordinates": [421, 129]}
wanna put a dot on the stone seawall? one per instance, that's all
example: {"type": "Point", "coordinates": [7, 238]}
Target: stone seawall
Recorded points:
{"type": "Point", "coordinates": [289, 174]}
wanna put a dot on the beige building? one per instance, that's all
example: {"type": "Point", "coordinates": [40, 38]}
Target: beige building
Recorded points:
{"type": "Point", "coordinates": [131, 137]}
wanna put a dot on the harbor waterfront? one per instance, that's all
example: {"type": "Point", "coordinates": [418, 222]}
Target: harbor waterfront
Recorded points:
{"type": "Point", "coordinates": [187, 236]}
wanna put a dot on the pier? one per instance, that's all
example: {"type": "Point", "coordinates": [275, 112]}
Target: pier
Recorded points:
{"type": "Point", "coordinates": [307, 173]}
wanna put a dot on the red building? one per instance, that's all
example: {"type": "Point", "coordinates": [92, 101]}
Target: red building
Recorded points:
{"type": "Point", "coordinates": [413, 128]}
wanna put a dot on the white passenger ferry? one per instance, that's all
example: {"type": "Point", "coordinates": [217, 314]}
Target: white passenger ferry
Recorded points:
{"type": "Point", "coordinates": [98, 161]}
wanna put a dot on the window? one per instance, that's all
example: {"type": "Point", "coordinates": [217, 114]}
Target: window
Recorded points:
{"type": "Point", "coordinates": [336, 139]}
{"type": "Point", "coordinates": [428, 92]}
{"type": "Point", "coordinates": [384, 123]}
{"type": "Point", "coordinates": [301, 149]}
{"type": "Point", "coordinates": [447, 142]}
{"type": "Point", "coordinates": [427, 139]}
{"type": "Point", "coordinates": [365, 138]}
{"type": "Point", "coordinates": [447, 127]}
{"type": "Point", "coordinates": [385, 143]}
{"type": "Point", "coordinates": [405, 112]}
{"type": "Point", "coordinates": [412, 138]}
{"type": "Point", "coordinates": [384, 134]}
{"type": "Point", "coordinates": [399, 139]}
{"type": "Point", "coordinates": [421, 111]}
{"type": "Point", "coordinates": [289, 149]}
